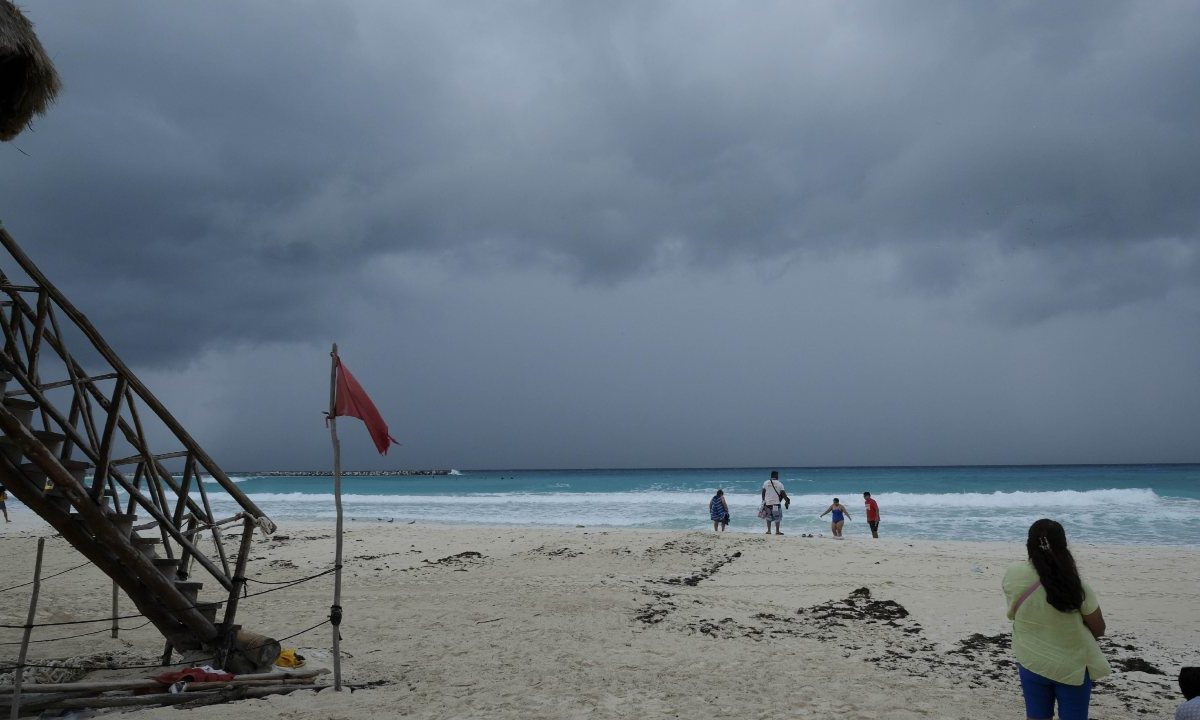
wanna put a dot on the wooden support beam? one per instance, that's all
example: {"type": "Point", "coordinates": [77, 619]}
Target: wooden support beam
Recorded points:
{"type": "Point", "coordinates": [63, 383]}
{"type": "Point", "coordinates": [155, 458]}
{"type": "Point", "coordinates": [235, 593]}
{"type": "Point", "coordinates": [106, 440]}
{"type": "Point", "coordinates": [39, 329]}
{"type": "Point", "coordinates": [185, 483]}
{"type": "Point", "coordinates": [19, 678]}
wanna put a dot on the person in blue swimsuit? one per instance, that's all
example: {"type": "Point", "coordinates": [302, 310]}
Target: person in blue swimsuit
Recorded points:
{"type": "Point", "coordinates": [840, 515]}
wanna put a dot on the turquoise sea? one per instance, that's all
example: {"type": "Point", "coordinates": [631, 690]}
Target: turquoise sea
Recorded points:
{"type": "Point", "coordinates": [1120, 504]}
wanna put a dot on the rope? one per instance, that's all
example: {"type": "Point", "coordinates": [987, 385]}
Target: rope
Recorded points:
{"type": "Point", "coordinates": [64, 572]}
{"type": "Point", "coordinates": [282, 586]}
{"type": "Point", "coordinates": [108, 619]}
{"type": "Point", "coordinates": [289, 582]}
{"type": "Point", "coordinates": [71, 637]}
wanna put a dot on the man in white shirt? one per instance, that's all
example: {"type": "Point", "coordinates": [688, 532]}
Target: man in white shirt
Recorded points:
{"type": "Point", "coordinates": [772, 495]}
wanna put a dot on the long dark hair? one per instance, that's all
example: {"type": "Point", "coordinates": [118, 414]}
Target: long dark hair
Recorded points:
{"type": "Point", "coordinates": [1047, 548]}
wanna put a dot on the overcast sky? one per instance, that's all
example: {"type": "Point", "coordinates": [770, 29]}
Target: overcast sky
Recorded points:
{"type": "Point", "coordinates": [634, 234]}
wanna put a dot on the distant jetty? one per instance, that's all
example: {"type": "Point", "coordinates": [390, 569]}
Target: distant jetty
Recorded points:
{"type": "Point", "coordinates": [329, 473]}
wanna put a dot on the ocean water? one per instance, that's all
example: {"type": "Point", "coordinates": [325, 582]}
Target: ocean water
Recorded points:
{"type": "Point", "coordinates": [1126, 504]}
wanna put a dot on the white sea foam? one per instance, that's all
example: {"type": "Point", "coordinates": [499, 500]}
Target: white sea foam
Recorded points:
{"type": "Point", "coordinates": [1136, 499]}
{"type": "Point", "coordinates": [1106, 515]}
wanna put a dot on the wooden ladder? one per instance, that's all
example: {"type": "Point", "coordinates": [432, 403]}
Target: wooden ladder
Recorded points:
{"type": "Point", "coordinates": [75, 447]}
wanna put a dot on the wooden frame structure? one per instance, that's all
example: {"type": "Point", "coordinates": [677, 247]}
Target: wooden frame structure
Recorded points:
{"type": "Point", "coordinates": [71, 407]}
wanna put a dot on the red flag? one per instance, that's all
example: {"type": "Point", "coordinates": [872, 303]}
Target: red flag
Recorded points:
{"type": "Point", "coordinates": [352, 400]}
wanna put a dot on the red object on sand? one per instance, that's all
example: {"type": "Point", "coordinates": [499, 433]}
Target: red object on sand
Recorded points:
{"type": "Point", "coordinates": [352, 401]}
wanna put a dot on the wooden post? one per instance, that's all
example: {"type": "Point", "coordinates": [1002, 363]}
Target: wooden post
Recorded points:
{"type": "Point", "coordinates": [20, 674]}
{"type": "Point", "coordinates": [335, 612]}
{"type": "Point", "coordinates": [114, 625]}
{"type": "Point", "coordinates": [228, 633]}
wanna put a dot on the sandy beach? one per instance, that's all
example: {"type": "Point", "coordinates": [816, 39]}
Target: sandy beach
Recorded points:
{"type": "Point", "coordinates": [534, 622]}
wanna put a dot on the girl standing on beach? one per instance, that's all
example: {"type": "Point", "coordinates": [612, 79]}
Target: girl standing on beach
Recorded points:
{"type": "Point", "coordinates": [838, 510]}
{"type": "Point", "coordinates": [1056, 620]}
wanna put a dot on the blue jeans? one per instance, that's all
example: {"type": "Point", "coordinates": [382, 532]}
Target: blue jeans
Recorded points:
{"type": "Point", "coordinates": [1041, 692]}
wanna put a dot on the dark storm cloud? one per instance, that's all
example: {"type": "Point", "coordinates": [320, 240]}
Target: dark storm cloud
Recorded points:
{"type": "Point", "coordinates": [230, 169]}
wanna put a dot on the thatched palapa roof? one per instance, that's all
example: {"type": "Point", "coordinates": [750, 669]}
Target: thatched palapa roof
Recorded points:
{"type": "Point", "coordinates": [28, 81]}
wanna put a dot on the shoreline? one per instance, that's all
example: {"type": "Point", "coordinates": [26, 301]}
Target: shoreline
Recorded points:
{"type": "Point", "coordinates": [344, 473]}
{"type": "Point", "coordinates": [533, 621]}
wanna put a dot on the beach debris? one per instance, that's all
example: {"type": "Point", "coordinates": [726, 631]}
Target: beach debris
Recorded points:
{"type": "Point", "coordinates": [717, 628]}
{"type": "Point", "coordinates": [461, 558]}
{"type": "Point", "coordinates": [656, 610]}
{"type": "Point", "coordinates": [652, 614]}
{"type": "Point", "coordinates": [705, 572]}
{"type": "Point", "coordinates": [1135, 664]}
{"type": "Point", "coordinates": [375, 557]}
{"type": "Point", "coordinates": [458, 563]}
{"type": "Point", "coordinates": [560, 552]}
{"type": "Point", "coordinates": [858, 607]}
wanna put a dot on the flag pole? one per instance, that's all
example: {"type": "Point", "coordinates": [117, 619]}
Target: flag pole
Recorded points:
{"type": "Point", "coordinates": [335, 611]}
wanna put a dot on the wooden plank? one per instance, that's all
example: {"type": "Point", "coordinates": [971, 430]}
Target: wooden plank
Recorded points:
{"type": "Point", "coordinates": [64, 383]}
{"type": "Point", "coordinates": [193, 699]}
{"type": "Point", "coordinates": [159, 457]}
{"type": "Point", "coordinates": [143, 683]}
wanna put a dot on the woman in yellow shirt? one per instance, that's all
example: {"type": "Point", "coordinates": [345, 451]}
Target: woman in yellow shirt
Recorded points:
{"type": "Point", "coordinates": [1056, 620]}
